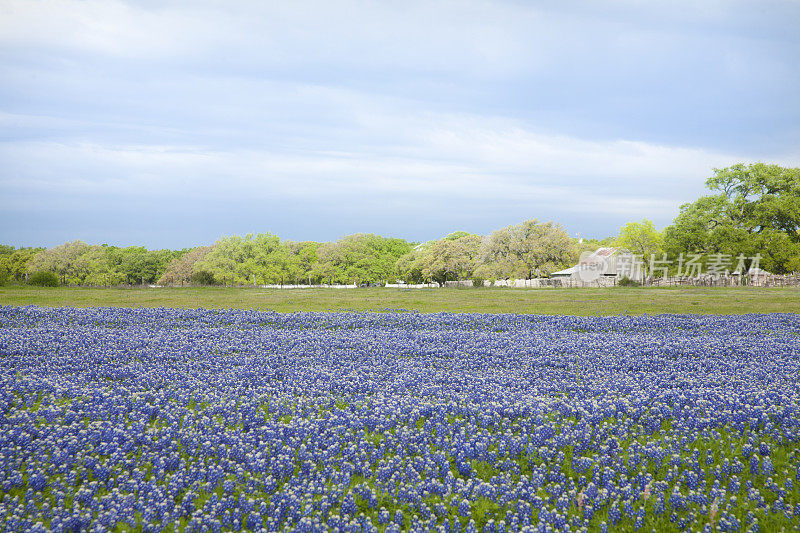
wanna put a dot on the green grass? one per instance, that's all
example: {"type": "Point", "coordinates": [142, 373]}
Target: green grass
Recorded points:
{"type": "Point", "coordinates": [609, 301]}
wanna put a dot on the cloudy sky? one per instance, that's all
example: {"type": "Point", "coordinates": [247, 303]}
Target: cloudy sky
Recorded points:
{"type": "Point", "coordinates": [170, 124]}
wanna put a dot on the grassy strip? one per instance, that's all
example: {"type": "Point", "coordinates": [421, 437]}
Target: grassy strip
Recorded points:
{"type": "Point", "coordinates": [609, 301]}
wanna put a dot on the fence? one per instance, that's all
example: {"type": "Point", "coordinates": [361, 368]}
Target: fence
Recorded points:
{"type": "Point", "coordinates": [412, 285]}
{"type": "Point", "coordinates": [761, 280]}
{"type": "Point", "coordinates": [288, 286]}
{"type": "Point", "coordinates": [540, 283]}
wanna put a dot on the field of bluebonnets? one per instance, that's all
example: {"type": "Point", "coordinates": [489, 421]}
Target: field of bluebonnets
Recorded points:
{"type": "Point", "coordinates": [160, 419]}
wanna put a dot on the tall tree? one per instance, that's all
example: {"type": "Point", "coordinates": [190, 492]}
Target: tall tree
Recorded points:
{"type": "Point", "coordinates": [451, 259]}
{"type": "Point", "coordinates": [526, 250]}
{"type": "Point", "coordinates": [180, 269]}
{"type": "Point", "coordinates": [63, 260]}
{"type": "Point", "coordinates": [640, 238]}
{"type": "Point", "coordinates": [409, 266]}
{"type": "Point", "coordinates": [236, 260]}
{"type": "Point", "coordinates": [14, 262]}
{"type": "Point", "coordinates": [755, 209]}
{"type": "Point", "coordinates": [359, 258]}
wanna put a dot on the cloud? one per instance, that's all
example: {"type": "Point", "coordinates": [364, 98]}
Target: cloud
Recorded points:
{"type": "Point", "coordinates": [461, 158]}
{"type": "Point", "coordinates": [352, 115]}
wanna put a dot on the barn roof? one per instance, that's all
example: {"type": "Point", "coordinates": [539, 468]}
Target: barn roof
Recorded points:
{"type": "Point", "coordinates": [601, 254]}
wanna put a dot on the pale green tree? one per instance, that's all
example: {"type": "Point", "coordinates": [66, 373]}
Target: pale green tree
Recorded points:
{"type": "Point", "coordinates": [451, 259]}
{"type": "Point", "coordinates": [14, 262]}
{"type": "Point", "coordinates": [527, 250]}
{"type": "Point", "coordinates": [640, 238]}
{"type": "Point", "coordinates": [63, 260]}
{"type": "Point", "coordinates": [179, 271]}
{"type": "Point", "coordinates": [359, 258]}
{"type": "Point", "coordinates": [252, 259]}
{"type": "Point", "coordinates": [409, 266]}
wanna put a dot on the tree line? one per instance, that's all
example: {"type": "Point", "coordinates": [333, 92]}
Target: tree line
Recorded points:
{"type": "Point", "coordinates": [751, 209]}
{"type": "Point", "coordinates": [78, 263]}
{"type": "Point", "coordinates": [528, 249]}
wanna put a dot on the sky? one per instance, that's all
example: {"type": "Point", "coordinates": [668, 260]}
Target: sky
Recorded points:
{"type": "Point", "coordinates": [171, 124]}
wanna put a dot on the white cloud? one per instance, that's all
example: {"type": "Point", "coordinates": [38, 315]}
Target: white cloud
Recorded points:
{"type": "Point", "coordinates": [466, 159]}
{"type": "Point", "coordinates": [481, 39]}
{"type": "Point", "coordinates": [422, 35]}
{"type": "Point", "coordinates": [616, 110]}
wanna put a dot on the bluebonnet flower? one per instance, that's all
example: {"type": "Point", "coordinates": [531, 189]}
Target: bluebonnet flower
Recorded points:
{"type": "Point", "coordinates": [291, 422]}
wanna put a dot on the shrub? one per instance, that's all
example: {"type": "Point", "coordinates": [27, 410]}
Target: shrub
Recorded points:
{"type": "Point", "coordinates": [477, 281]}
{"type": "Point", "coordinates": [203, 277]}
{"type": "Point", "coordinates": [43, 278]}
{"type": "Point", "coordinates": [625, 281]}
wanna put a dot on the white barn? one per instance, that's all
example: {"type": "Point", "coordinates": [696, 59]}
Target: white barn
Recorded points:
{"type": "Point", "coordinates": [592, 266]}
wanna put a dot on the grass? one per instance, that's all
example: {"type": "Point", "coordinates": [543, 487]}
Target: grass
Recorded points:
{"type": "Point", "coordinates": [608, 301]}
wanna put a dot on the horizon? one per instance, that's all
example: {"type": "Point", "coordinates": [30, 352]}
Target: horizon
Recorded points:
{"type": "Point", "coordinates": [169, 125]}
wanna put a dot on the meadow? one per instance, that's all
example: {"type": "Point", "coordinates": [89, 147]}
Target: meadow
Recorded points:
{"type": "Point", "coordinates": [584, 302]}
{"type": "Point", "coordinates": [155, 419]}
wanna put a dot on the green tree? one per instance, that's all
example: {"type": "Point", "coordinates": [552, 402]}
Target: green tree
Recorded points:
{"type": "Point", "coordinates": [451, 259]}
{"type": "Point", "coordinates": [409, 267]}
{"type": "Point", "coordinates": [640, 238]}
{"type": "Point", "coordinates": [14, 262]}
{"type": "Point", "coordinates": [359, 258]}
{"type": "Point", "coordinates": [96, 269]}
{"type": "Point", "coordinates": [591, 245]}
{"type": "Point", "coordinates": [180, 269]}
{"type": "Point", "coordinates": [77, 263]}
{"type": "Point", "coordinates": [527, 250]}
{"type": "Point", "coordinates": [755, 209]}
{"type": "Point", "coordinates": [252, 259]}
{"type": "Point", "coordinates": [300, 260]}
{"type": "Point", "coordinates": [44, 278]}
{"type": "Point", "coordinates": [140, 265]}
{"type": "Point", "coordinates": [63, 260]}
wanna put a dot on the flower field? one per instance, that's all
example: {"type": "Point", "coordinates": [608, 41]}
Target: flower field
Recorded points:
{"type": "Point", "coordinates": [204, 420]}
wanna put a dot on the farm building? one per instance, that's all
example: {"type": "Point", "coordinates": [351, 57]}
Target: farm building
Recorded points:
{"type": "Point", "coordinates": [600, 263]}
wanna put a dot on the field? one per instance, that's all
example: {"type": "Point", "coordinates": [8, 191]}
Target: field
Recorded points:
{"type": "Point", "coordinates": [583, 302]}
{"type": "Point", "coordinates": [164, 419]}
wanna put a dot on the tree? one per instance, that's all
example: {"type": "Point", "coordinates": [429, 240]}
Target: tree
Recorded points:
{"type": "Point", "coordinates": [591, 245]}
{"type": "Point", "coordinates": [500, 256]}
{"type": "Point", "coordinates": [409, 266]}
{"type": "Point", "coordinates": [63, 260]}
{"type": "Point", "coordinates": [14, 262]}
{"type": "Point", "coordinates": [300, 260]}
{"type": "Point", "coordinates": [77, 263]}
{"type": "Point", "coordinates": [760, 197]}
{"type": "Point", "coordinates": [755, 209]}
{"type": "Point", "coordinates": [140, 265]}
{"type": "Point", "coordinates": [44, 278]}
{"type": "Point", "coordinates": [359, 258]}
{"type": "Point", "coordinates": [451, 259]}
{"type": "Point", "coordinates": [96, 269]}
{"type": "Point", "coordinates": [236, 260]}
{"type": "Point", "coordinates": [640, 238]}
{"type": "Point", "coordinates": [180, 269]}
{"type": "Point", "coordinates": [526, 250]}
{"type": "Point", "coordinates": [545, 247]}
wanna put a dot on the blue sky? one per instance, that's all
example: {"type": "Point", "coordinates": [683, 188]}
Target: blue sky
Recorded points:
{"type": "Point", "coordinates": [170, 124]}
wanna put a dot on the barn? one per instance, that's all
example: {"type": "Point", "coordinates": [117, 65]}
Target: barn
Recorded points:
{"type": "Point", "coordinates": [592, 266]}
